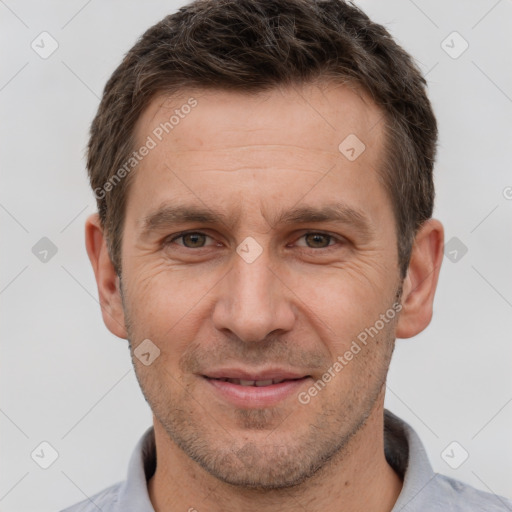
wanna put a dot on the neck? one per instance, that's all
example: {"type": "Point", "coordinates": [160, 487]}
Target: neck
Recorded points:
{"type": "Point", "coordinates": [359, 479]}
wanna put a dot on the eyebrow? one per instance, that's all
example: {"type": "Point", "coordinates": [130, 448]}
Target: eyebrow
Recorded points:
{"type": "Point", "coordinates": [168, 215]}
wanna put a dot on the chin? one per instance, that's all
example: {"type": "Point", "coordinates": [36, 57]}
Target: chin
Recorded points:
{"type": "Point", "coordinates": [257, 469]}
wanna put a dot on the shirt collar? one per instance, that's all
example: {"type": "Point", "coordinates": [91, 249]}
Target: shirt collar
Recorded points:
{"type": "Point", "coordinates": [133, 493]}
{"type": "Point", "coordinates": [406, 454]}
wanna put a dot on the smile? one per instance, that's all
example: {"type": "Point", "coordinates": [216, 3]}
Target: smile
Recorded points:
{"type": "Point", "coordinates": [254, 390]}
{"type": "Point", "coordinates": [256, 383]}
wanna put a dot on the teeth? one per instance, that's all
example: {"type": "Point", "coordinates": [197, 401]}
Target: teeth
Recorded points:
{"type": "Point", "coordinates": [263, 382]}
{"type": "Point", "coordinates": [257, 383]}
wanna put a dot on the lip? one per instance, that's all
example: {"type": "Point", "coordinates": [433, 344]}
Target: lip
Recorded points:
{"type": "Point", "coordinates": [268, 374]}
{"type": "Point", "coordinates": [254, 397]}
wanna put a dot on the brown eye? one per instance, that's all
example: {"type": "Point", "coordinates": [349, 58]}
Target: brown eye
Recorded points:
{"type": "Point", "coordinates": [318, 240]}
{"type": "Point", "coordinates": [192, 240]}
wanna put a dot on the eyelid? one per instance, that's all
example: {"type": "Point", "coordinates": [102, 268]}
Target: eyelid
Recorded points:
{"type": "Point", "coordinates": [338, 238]}
{"type": "Point", "coordinates": [171, 238]}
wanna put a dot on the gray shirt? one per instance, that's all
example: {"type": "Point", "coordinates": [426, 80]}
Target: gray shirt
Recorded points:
{"type": "Point", "coordinates": [423, 490]}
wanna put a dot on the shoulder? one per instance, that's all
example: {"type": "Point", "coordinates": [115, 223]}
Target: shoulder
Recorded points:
{"type": "Point", "coordinates": [104, 500]}
{"type": "Point", "coordinates": [455, 495]}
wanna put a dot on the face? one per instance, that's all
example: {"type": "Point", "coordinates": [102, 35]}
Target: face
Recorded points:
{"type": "Point", "coordinates": [256, 256]}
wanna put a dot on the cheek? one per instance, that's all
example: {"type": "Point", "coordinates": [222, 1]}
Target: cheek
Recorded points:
{"type": "Point", "coordinates": [343, 301]}
{"type": "Point", "coordinates": [168, 306]}
{"type": "Point", "coordinates": [168, 291]}
{"type": "Point", "coordinates": [361, 366]}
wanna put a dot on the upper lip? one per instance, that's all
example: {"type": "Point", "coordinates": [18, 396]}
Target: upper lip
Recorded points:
{"type": "Point", "coordinates": [269, 374]}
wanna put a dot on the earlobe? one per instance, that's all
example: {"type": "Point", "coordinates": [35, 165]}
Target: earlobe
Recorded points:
{"type": "Point", "coordinates": [107, 279]}
{"type": "Point", "coordinates": [420, 283]}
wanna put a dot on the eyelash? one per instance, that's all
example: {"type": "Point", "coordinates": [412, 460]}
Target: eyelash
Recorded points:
{"type": "Point", "coordinates": [169, 241]}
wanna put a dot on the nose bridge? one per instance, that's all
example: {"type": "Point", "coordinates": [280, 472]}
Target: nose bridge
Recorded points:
{"type": "Point", "coordinates": [253, 284]}
{"type": "Point", "coordinates": [252, 302]}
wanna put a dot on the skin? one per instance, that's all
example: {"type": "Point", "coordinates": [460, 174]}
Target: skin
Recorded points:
{"type": "Point", "coordinates": [299, 305]}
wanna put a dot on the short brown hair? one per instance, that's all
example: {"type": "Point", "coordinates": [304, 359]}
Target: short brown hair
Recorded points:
{"type": "Point", "coordinates": [255, 45]}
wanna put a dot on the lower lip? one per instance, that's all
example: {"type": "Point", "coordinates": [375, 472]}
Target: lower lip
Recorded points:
{"type": "Point", "coordinates": [251, 397]}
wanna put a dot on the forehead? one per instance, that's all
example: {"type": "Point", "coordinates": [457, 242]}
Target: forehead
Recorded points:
{"type": "Point", "coordinates": [315, 117]}
{"type": "Point", "coordinates": [227, 149]}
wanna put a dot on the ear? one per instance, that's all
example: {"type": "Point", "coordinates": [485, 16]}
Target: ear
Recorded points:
{"type": "Point", "coordinates": [420, 283]}
{"type": "Point", "coordinates": [106, 278]}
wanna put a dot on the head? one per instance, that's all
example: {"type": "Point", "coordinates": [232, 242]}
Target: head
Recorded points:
{"type": "Point", "coordinates": [294, 143]}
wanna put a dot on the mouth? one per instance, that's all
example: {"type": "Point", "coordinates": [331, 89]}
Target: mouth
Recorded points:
{"type": "Point", "coordinates": [254, 389]}
{"type": "Point", "coordinates": [255, 383]}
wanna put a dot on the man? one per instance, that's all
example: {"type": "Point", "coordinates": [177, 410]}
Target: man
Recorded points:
{"type": "Point", "coordinates": [263, 171]}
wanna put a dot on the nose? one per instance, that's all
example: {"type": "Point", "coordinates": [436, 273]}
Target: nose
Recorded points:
{"type": "Point", "coordinates": [253, 301]}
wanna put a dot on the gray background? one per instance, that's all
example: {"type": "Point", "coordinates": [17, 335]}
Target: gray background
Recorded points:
{"type": "Point", "coordinates": [66, 380]}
